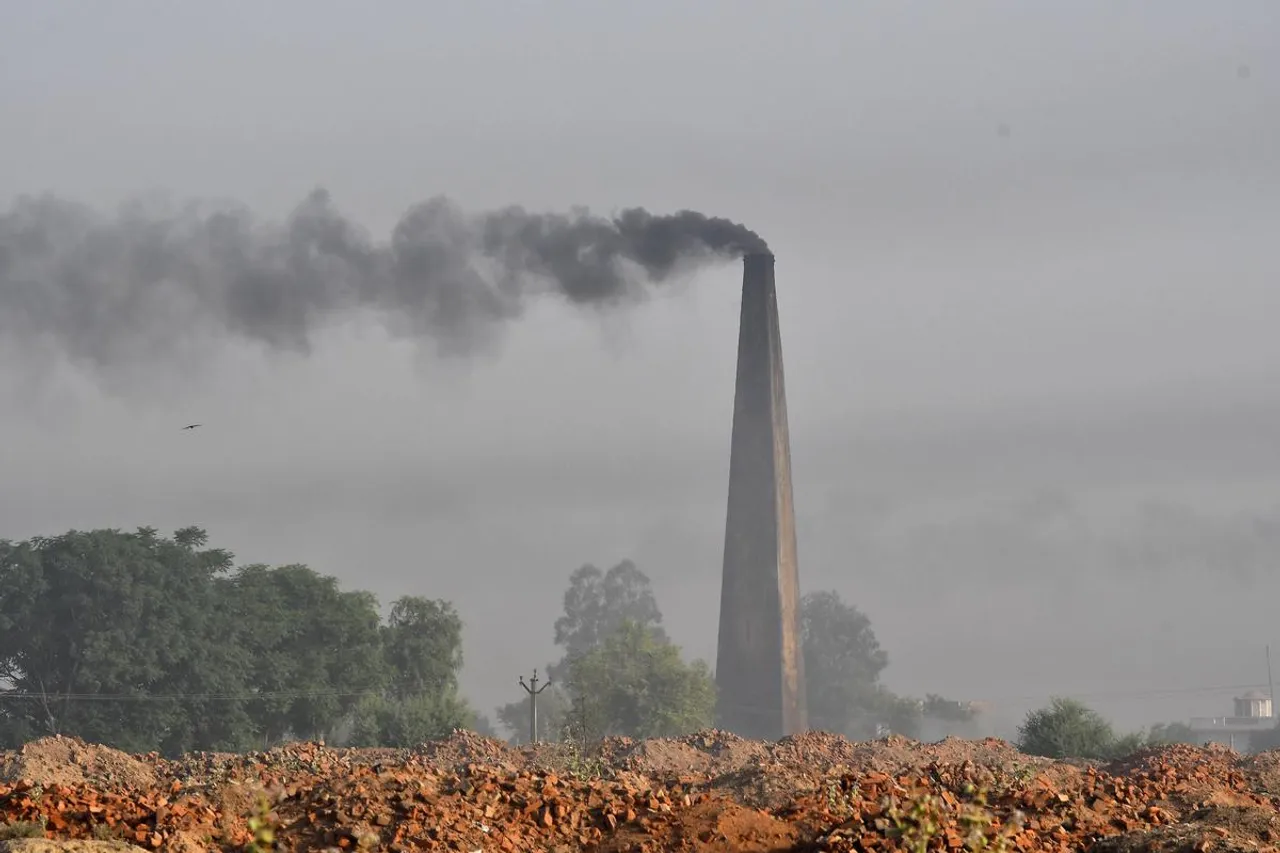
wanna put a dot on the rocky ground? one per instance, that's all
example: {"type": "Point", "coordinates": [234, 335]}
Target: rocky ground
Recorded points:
{"type": "Point", "coordinates": [706, 792]}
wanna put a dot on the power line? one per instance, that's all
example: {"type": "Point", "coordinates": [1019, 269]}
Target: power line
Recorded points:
{"type": "Point", "coordinates": [173, 697]}
{"type": "Point", "coordinates": [17, 695]}
{"type": "Point", "coordinates": [1147, 693]}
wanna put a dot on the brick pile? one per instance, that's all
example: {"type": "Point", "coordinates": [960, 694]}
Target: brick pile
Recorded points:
{"type": "Point", "coordinates": [703, 793]}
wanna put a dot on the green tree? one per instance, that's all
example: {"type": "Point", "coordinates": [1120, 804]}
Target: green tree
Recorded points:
{"type": "Point", "coordinates": [636, 684]}
{"type": "Point", "coordinates": [389, 721]}
{"type": "Point", "coordinates": [313, 651]}
{"type": "Point", "coordinates": [96, 625]}
{"type": "Point", "coordinates": [145, 642]}
{"type": "Point", "coordinates": [1167, 733]}
{"type": "Point", "coordinates": [596, 604]}
{"type": "Point", "coordinates": [940, 708]}
{"type": "Point", "coordinates": [422, 649]}
{"type": "Point", "coordinates": [890, 713]}
{"type": "Point", "coordinates": [484, 726]}
{"type": "Point", "coordinates": [1127, 744]}
{"type": "Point", "coordinates": [1067, 729]}
{"type": "Point", "coordinates": [843, 661]}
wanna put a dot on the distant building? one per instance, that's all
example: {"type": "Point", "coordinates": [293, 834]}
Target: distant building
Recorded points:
{"type": "Point", "coordinates": [1253, 714]}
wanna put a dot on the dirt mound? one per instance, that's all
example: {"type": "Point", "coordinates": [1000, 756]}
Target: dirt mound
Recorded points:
{"type": "Point", "coordinates": [706, 792]}
{"type": "Point", "coordinates": [70, 761]}
{"type": "Point", "coordinates": [462, 748]}
{"type": "Point", "coordinates": [210, 769]}
{"type": "Point", "coordinates": [717, 753]}
{"type": "Point", "coordinates": [44, 845]}
{"type": "Point", "coordinates": [1263, 772]}
{"type": "Point", "coordinates": [713, 827]}
{"type": "Point", "coordinates": [706, 752]}
{"type": "Point", "coordinates": [1224, 829]}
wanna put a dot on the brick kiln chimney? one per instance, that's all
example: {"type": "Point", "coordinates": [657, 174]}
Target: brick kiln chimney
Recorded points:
{"type": "Point", "coordinates": [759, 665]}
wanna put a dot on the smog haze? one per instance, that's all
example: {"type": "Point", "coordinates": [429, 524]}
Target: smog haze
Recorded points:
{"type": "Point", "coordinates": [1026, 278]}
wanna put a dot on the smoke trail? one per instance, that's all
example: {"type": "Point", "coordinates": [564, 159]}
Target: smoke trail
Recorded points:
{"type": "Point", "coordinates": [113, 289]}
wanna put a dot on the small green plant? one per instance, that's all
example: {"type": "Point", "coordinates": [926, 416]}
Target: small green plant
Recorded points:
{"type": "Point", "coordinates": [918, 817]}
{"type": "Point", "coordinates": [580, 760]}
{"type": "Point", "coordinates": [580, 741]}
{"type": "Point", "coordinates": [976, 818]}
{"type": "Point", "coordinates": [106, 832]}
{"type": "Point", "coordinates": [1024, 773]}
{"type": "Point", "coordinates": [21, 829]}
{"type": "Point", "coordinates": [837, 801]}
{"type": "Point", "coordinates": [262, 823]}
{"type": "Point", "coordinates": [917, 823]}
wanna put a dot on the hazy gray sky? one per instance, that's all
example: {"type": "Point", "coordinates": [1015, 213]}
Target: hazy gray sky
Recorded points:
{"type": "Point", "coordinates": [1026, 270]}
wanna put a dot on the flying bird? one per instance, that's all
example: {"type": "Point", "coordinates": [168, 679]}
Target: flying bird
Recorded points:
{"type": "Point", "coordinates": [191, 426]}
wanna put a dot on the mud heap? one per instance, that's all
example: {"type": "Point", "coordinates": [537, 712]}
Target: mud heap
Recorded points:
{"type": "Point", "coordinates": [705, 792]}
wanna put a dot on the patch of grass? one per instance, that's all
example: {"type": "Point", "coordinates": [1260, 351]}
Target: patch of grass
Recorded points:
{"type": "Point", "coordinates": [21, 829]}
{"type": "Point", "coordinates": [107, 832]}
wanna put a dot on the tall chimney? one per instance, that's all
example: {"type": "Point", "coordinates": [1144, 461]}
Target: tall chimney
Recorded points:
{"type": "Point", "coordinates": [760, 665]}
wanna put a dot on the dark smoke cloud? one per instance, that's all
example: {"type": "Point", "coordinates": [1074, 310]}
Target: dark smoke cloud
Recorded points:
{"type": "Point", "coordinates": [138, 285]}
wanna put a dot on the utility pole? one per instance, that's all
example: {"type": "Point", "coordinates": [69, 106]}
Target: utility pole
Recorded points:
{"type": "Point", "coordinates": [533, 690]}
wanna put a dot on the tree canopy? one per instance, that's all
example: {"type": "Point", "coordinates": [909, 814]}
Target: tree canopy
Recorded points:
{"type": "Point", "coordinates": [597, 603]}
{"type": "Point", "coordinates": [1163, 733]}
{"type": "Point", "coordinates": [843, 663]}
{"type": "Point", "coordinates": [1068, 728]}
{"type": "Point", "coordinates": [634, 683]}
{"type": "Point", "coordinates": [619, 673]}
{"type": "Point", "coordinates": [147, 643]}
{"type": "Point", "coordinates": [101, 632]}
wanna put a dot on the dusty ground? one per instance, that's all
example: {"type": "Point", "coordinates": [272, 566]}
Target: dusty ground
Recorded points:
{"type": "Point", "coordinates": [706, 792]}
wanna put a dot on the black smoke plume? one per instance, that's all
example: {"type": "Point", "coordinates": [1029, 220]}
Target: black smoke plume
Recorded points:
{"type": "Point", "coordinates": [107, 289]}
